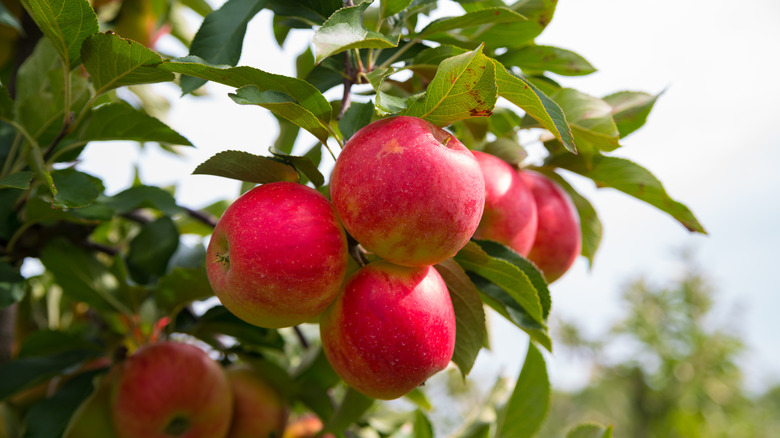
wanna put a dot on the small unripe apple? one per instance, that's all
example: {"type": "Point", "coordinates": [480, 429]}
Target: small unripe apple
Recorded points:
{"type": "Point", "coordinates": [278, 255]}
{"type": "Point", "coordinates": [558, 236]}
{"type": "Point", "coordinates": [408, 191]}
{"type": "Point", "coordinates": [171, 389]}
{"type": "Point", "coordinates": [259, 410]}
{"type": "Point", "coordinates": [390, 329]}
{"type": "Point", "coordinates": [510, 210]}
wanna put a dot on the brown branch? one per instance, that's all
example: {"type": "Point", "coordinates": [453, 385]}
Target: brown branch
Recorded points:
{"type": "Point", "coordinates": [201, 216]}
{"type": "Point", "coordinates": [301, 337]}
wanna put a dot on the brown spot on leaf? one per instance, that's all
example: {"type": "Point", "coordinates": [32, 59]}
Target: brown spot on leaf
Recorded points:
{"type": "Point", "coordinates": [476, 112]}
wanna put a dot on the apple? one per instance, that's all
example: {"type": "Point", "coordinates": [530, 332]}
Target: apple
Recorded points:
{"type": "Point", "coordinates": [558, 236]}
{"type": "Point", "coordinates": [258, 410]}
{"type": "Point", "coordinates": [171, 389]}
{"type": "Point", "coordinates": [408, 191]}
{"type": "Point", "coordinates": [278, 255]}
{"type": "Point", "coordinates": [510, 211]}
{"type": "Point", "coordinates": [306, 426]}
{"type": "Point", "coordinates": [390, 329]}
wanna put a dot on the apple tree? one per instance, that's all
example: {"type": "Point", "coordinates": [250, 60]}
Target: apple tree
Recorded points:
{"type": "Point", "coordinates": [118, 278]}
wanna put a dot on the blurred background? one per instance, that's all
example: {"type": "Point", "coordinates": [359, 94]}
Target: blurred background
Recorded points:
{"type": "Point", "coordinates": [668, 333]}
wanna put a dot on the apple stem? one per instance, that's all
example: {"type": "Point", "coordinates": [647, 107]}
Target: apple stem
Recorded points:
{"type": "Point", "coordinates": [223, 258]}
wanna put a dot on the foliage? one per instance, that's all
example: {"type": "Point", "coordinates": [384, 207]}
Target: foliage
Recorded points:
{"type": "Point", "coordinates": [679, 374]}
{"type": "Point", "coordinates": [117, 273]}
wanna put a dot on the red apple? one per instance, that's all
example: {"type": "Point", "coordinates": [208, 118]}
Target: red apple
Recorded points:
{"type": "Point", "coordinates": [390, 329]}
{"type": "Point", "coordinates": [510, 210]}
{"type": "Point", "coordinates": [171, 389]}
{"type": "Point", "coordinates": [278, 255]}
{"type": "Point", "coordinates": [259, 410]}
{"type": "Point", "coordinates": [306, 426]}
{"type": "Point", "coordinates": [558, 237]}
{"type": "Point", "coordinates": [408, 191]}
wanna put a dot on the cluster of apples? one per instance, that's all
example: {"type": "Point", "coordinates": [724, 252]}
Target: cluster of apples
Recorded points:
{"type": "Point", "coordinates": [410, 194]}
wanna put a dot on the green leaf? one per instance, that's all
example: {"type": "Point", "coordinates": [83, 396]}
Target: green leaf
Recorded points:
{"type": "Point", "coordinates": [536, 104]}
{"type": "Point", "coordinates": [143, 197]}
{"type": "Point", "coordinates": [25, 372]}
{"type": "Point", "coordinates": [288, 133]}
{"type": "Point", "coordinates": [590, 224]}
{"type": "Point", "coordinates": [182, 286]}
{"type": "Point", "coordinates": [200, 7]}
{"type": "Point", "coordinates": [386, 104]}
{"type": "Point", "coordinates": [516, 34]}
{"type": "Point", "coordinates": [50, 417]}
{"type": "Point", "coordinates": [351, 409]}
{"type": "Point", "coordinates": [151, 250]}
{"type": "Point", "coordinates": [472, 19]}
{"type": "Point", "coordinates": [93, 416]}
{"type": "Point", "coordinates": [75, 189]}
{"type": "Point", "coordinates": [527, 407]}
{"type": "Point", "coordinates": [464, 87]}
{"type": "Point", "coordinates": [344, 30]}
{"type": "Point", "coordinates": [218, 322]}
{"type": "Point", "coordinates": [422, 425]}
{"type": "Point", "coordinates": [113, 62]}
{"type": "Point", "coordinates": [282, 105]}
{"type": "Point", "coordinates": [507, 149]}
{"type": "Point", "coordinates": [11, 285]}
{"type": "Point", "coordinates": [503, 252]}
{"type": "Point", "coordinates": [631, 179]}
{"type": "Point", "coordinates": [18, 180]}
{"type": "Point", "coordinates": [244, 166]}
{"type": "Point", "coordinates": [304, 164]}
{"type": "Point", "coordinates": [301, 91]}
{"type": "Point", "coordinates": [534, 58]}
{"type": "Point", "coordinates": [419, 398]}
{"type": "Point", "coordinates": [630, 109]}
{"type": "Point", "coordinates": [590, 430]}
{"type": "Point", "coordinates": [426, 63]}
{"type": "Point", "coordinates": [6, 104]}
{"type": "Point", "coordinates": [46, 342]}
{"type": "Point", "coordinates": [388, 8]}
{"type": "Point", "coordinates": [8, 19]}
{"type": "Point", "coordinates": [471, 330]}
{"type": "Point", "coordinates": [220, 38]}
{"type": "Point", "coordinates": [503, 273]}
{"type": "Point", "coordinates": [67, 23]}
{"type": "Point", "coordinates": [357, 116]}
{"type": "Point", "coordinates": [120, 121]}
{"type": "Point", "coordinates": [590, 119]}
{"type": "Point", "coordinates": [82, 276]}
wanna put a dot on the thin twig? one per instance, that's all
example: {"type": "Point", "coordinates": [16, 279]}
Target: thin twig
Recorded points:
{"type": "Point", "coordinates": [201, 216]}
{"type": "Point", "coordinates": [301, 337]}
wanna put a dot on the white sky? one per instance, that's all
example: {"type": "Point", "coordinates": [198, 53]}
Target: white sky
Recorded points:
{"type": "Point", "coordinates": [712, 139]}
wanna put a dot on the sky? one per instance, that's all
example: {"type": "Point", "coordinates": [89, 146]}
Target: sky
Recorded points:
{"type": "Point", "coordinates": [712, 139]}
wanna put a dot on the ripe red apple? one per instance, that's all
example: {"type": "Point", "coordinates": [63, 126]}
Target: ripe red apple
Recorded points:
{"type": "Point", "coordinates": [390, 329]}
{"type": "Point", "coordinates": [278, 255]}
{"type": "Point", "coordinates": [510, 210]}
{"type": "Point", "coordinates": [171, 389]}
{"type": "Point", "coordinates": [558, 237]}
{"type": "Point", "coordinates": [408, 190]}
{"type": "Point", "coordinates": [259, 410]}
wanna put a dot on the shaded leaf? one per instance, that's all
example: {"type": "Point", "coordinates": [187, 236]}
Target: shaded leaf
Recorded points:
{"type": "Point", "coordinates": [590, 119]}
{"type": "Point", "coordinates": [120, 121]}
{"type": "Point", "coordinates": [632, 179]}
{"type": "Point", "coordinates": [536, 104]}
{"type": "Point", "coordinates": [75, 189]}
{"type": "Point", "coordinates": [504, 274]}
{"type": "Point", "coordinates": [143, 197]}
{"type": "Point", "coordinates": [357, 116]}
{"type": "Point", "coordinates": [50, 417]}
{"type": "Point", "coordinates": [630, 109]}
{"type": "Point", "coordinates": [464, 87]}
{"type": "Point", "coordinates": [18, 180]}
{"type": "Point", "coordinates": [218, 321]}
{"type": "Point", "coordinates": [351, 409]}
{"type": "Point", "coordinates": [471, 330]}
{"type": "Point", "coordinates": [389, 8]}
{"type": "Point", "coordinates": [93, 416]}
{"type": "Point", "coordinates": [113, 62]}
{"type": "Point", "coordinates": [66, 23]}
{"type": "Point", "coordinates": [181, 286]}
{"type": "Point", "coordinates": [244, 166]}
{"type": "Point", "coordinates": [6, 103]}
{"type": "Point", "coordinates": [422, 425]}
{"type": "Point", "coordinates": [301, 91]}
{"type": "Point", "coordinates": [516, 34]}
{"type": "Point", "coordinates": [590, 430]}
{"type": "Point", "coordinates": [527, 407]}
{"type": "Point", "coordinates": [547, 58]}
{"type": "Point", "coordinates": [507, 149]}
{"type": "Point", "coordinates": [344, 30]}
{"type": "Point", "coordinates": [151, 250]}
{"type": "Point", "coordinates": [284, 106]}
{"type": "Point", "coordinates": [304, 164]}
{"type": "Point", "coordinates": [220, 38]}
{"type": "Point", "coordinates": [25, 372]}
{"type": "Point", "coordinates": [8, 19]}
{"type": "Point", "coordinates": [11, 285]}
{"type": "Point", "coordinates": [288, 133]}
{"type": "Point", "coordinates": [472, 19]}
